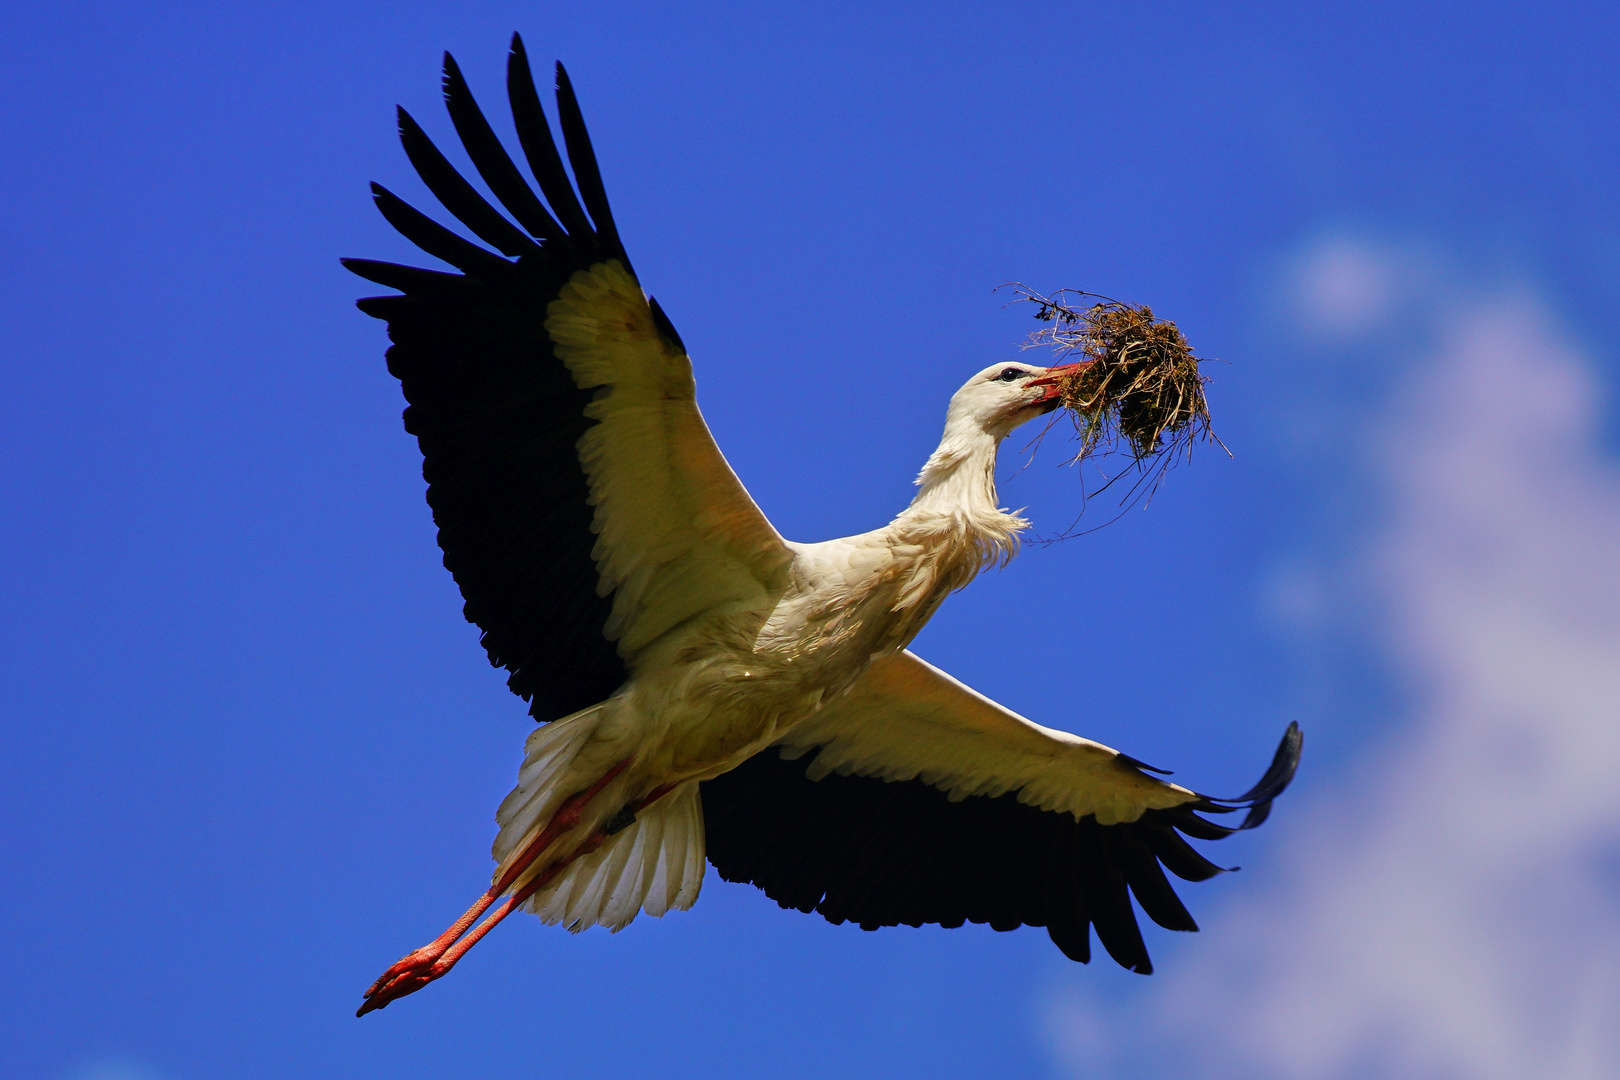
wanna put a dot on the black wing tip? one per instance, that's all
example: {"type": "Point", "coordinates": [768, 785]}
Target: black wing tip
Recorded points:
{"type": "Point", "coordinates": [1142, 766]}
{"type": "Point", "coordinates": [360, 267]}
{"type": "Point", "coordinates": [587, 170]}
{"type": "Point", "coordinates": [1256, 801]}
{"type": "Point", "coordinates": [379, 307]}
{"type": "Point", "coordinates": [517, 59]}
{"type": "Point", "coordinates": [386, 200]}
{"type": "Point", "coordinates": [1072, 939]}
{"type": "Point", "coordinates": [1278, 775]}
{"type": "Point", "coordinates": [406, 279]}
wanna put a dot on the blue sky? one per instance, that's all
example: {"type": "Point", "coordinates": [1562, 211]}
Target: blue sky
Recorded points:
{"type": "Point", "coordinates": [253, 752]}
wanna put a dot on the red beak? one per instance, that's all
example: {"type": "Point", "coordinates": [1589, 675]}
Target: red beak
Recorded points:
{"type": "Point", "coordinates": [1051, 379]}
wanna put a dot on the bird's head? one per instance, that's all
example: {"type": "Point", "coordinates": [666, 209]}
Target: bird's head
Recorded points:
{"type": "Point", "coordinates": [1002, 396]}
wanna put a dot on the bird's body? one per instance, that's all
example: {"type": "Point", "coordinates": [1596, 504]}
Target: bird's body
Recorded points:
{"type": "Point", "coordinates": [711, 692]}
{"type": "Point", "coordinates": [704, 703]}
{"type": "Point", "coordinates": [704, 678]}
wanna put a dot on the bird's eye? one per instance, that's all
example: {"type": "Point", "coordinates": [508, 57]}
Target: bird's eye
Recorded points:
{"type": "Point", "coordinates": [1009, 374]}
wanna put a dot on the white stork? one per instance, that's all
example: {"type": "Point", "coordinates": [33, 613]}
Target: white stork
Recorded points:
{"type": "Point", "coordinates": [707, 687]}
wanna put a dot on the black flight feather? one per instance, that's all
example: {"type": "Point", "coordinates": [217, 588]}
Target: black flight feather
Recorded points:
{"type": "Point", "coordinates": [884, 853]}
{"type": "Point", "coordinates": [496, 413]}
{"type": "Point", "coordinates": [587, 176]}
{"type": "Point", "coordinates": [403, 278]}
{"type": "Point", "coordinates": [458, 196]}
{"type": "Point", "coordinates": [1284, 763]}
{"type": "Point", "coordinates": [534, 135]}
{"type": "Point", "coordinates": [437, 240]}
{"type": "Point", "coordinates": [491, 160]}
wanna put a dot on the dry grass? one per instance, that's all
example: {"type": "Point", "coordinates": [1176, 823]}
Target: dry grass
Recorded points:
{"type": "Point", "coordinates": [1137, 389]}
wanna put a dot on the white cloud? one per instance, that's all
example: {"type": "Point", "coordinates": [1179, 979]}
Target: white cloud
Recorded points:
{"type": "Point", "coordinates": [115, 1068]}
{"type": "Point", "coordinates": [1343, 286]}
{"type": "Point", "coordinates": [1453, 908]}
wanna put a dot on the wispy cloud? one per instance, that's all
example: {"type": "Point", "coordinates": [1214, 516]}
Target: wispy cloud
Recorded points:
{"type": "Point", "coordinates": [113, 1068]}
{"type": "Point", "coordinates": [1452, 907]}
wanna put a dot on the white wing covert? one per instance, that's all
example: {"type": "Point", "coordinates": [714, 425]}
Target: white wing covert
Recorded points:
{"type": "Point", "coordinates": [908, 720]}
{"type": "Point", "coordinates": [677, 535]}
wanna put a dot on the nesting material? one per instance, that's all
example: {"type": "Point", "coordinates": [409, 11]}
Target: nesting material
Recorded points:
{"type": "Point", "coordinates": [1137, 386]}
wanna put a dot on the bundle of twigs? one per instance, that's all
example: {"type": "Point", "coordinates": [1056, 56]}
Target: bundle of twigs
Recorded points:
{"type": "Point", "coordinates": [1134, 385]}
{"type": "Point", "coordinates": [1137, 380]}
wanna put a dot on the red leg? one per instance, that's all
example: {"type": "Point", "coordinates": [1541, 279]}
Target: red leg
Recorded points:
{"type": "Point", "coordinates": [412, 979]}
{"type": "Point", "coordinates": [416, 969]}
{"type": "Point", "coordinates": [541, 880]}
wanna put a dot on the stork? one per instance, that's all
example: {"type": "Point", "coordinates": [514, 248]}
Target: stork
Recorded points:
{"type": "Point", "coordinates": [708, 690]}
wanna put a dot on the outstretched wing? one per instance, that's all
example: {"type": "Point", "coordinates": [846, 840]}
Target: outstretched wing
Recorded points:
{"type": "Point", "coordinates": [914, 799]}
{"type": "Point", "coordinates": [581, 501]}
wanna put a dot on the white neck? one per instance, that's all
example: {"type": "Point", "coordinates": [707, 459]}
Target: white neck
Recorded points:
{"type": "Point", "coordinates": [958, 494]}
{"type": "Point", "coordinates": [960, 475]}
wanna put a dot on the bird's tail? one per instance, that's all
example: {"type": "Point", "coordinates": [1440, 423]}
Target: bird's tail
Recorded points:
{"type": "Point", "coordinates": [654, 865]}
{"type": "Point", "coordinates": [552, 771]}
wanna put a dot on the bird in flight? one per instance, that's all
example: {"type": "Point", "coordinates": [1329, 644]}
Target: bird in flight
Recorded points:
{"type": "Point", "coordinates": [708, 690]}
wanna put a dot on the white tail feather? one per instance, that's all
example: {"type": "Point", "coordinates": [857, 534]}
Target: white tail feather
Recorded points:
{"type": "Point", "coordinates": [655, 865]}
{"type": "Point", "coordinates": [548, 755]}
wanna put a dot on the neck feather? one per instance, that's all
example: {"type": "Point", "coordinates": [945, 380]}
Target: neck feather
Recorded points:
{"type": "Point", "coordinates": [958, 496]}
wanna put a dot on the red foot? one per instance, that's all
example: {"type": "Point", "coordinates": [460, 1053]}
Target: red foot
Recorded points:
{"type": "Point", "coordinates": [415, 970]}
{"type": "Point", "coordinates": [423, 966]}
